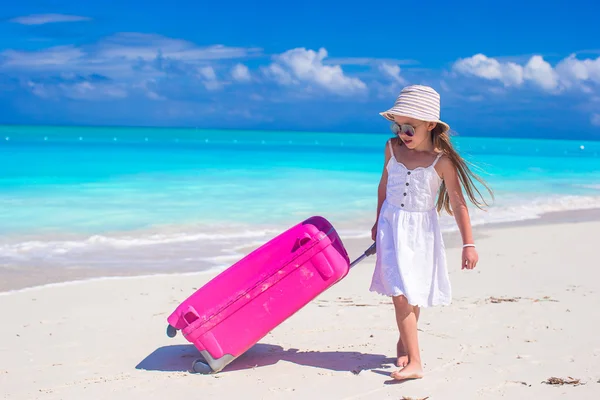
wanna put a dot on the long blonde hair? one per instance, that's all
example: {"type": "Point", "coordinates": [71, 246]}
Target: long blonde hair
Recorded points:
{"type": "Point", "coordinates": [441, 140]}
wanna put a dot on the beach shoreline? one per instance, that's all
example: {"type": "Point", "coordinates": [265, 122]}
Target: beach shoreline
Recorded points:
{"type": "Point", "coordinates": [24, 277]}
{"type": "Point", "coordinates": [516, 321]}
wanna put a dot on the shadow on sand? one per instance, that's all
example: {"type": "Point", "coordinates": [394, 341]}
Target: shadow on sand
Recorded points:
{"type": "Point", "coordinates": [181, 357]}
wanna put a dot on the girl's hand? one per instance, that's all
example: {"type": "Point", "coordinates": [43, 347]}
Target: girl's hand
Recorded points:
{"type": "Point", "coordinates": [374, 231]}
{"type": "Point", "coordinates": [469, 258]}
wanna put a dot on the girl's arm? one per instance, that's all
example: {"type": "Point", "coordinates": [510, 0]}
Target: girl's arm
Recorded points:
{"type": "Point", "coordinates": [460, 211]}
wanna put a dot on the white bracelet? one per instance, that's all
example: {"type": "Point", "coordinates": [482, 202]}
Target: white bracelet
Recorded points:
{"type": "Point", "coordinates": [468, 245]}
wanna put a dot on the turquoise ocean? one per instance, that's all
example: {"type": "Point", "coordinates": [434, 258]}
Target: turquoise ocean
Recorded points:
{"type": "Point", "coordinates": [190, 199]}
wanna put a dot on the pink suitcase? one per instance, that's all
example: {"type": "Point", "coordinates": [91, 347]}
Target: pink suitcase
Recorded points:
{"type": "Point", "coordinates": [238, 307]}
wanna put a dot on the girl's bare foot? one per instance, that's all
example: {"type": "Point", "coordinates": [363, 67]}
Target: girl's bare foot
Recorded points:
{"type": "Point", "coordinates": [413, 370]}
{"type": "Point", "coordinates": [402, 360]}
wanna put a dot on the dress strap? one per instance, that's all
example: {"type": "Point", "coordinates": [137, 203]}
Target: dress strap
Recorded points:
{"type": "Point", "coordinates": [437, 158]}
{"type": "Point", "coordinates": [391, 149]}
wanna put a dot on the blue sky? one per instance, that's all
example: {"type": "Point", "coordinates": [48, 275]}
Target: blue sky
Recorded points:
{"type": "Point", "coordinates": [511, 69]}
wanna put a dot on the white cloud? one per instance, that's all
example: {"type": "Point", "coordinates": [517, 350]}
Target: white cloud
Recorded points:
{"type": "Point", "coordinates": [87, 90]}
{"type": "Point", "coordinates": [571, 73]}
{"type": "Point", "coordinates": [300, 65]}
{"type": "Point", "coordinates": [148, 88]}
{"type": "Point", "coordinates": [209, 78]}
{"type": "Point", "coordinates": [279, 74]}
{"type": "Point", "coordinates": [78, 90]}
{"type": "Point", "coordinates": [41, 19]}
{"type": "Point", "coordinates": [393, 72]}
{"type": "Point", "coordinates": [510, 74]}
{"type": "Point", "coordinates": [135, 46]}
{"type": "Point", "coordinates": [568, 73]}
{"type": "Point", "coordinates": [116, 54]}
{"type": "Point", "coordinates": [241, 73]}
{"type": "Point", "coordinates": [541, 73]}
{"type": "Point", "coordinates": [58, 56]}
{"type": "Point", "coordinates": [127, 58]}
{"type": "Point", "coordinates": [366, 61]}
{"type": "Point", "coordinates": [574, 72]}
{"type": "Point", "coordinates": [208, 73]}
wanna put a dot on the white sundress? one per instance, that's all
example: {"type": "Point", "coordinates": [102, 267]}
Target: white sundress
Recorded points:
{"type": "Point", "coordinates": [411, 257]}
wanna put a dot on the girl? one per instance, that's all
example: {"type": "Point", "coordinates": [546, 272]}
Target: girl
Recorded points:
{"type": "Point", "coordinates": [420, 162]}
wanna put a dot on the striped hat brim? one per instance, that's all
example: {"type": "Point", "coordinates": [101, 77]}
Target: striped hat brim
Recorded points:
{"type": "Point", "coordinates": [389, 115]}
{"type": "Point", "coordinates": [418, 102]}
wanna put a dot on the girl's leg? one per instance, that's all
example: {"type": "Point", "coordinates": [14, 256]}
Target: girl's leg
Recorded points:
{"type": "Point", "coordinates": [401, 354]}
{"type": "Point", "coordinates": [407, 324]}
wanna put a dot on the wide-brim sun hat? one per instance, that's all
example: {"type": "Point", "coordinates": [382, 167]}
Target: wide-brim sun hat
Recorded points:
{"type": "Point", "coordinates": [418, 102]}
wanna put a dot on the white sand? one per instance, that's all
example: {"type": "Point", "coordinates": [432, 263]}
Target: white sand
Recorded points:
{"type": "Point", "coordinates": [106, 338]}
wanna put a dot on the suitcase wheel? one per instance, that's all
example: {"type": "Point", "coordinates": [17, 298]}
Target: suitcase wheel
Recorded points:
{"type": "Point", "coordinates": [201, 367]}
{"type": "Point", "coordinates": [171, 331]}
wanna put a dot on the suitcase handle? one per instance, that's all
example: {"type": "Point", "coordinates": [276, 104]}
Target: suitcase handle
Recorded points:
{"type": "Point", "coordinates": [370, 251]}
{"type": "Point", "coordinates": [301, 241]}
{"type": "Point", "coordinates": [191, 315]}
